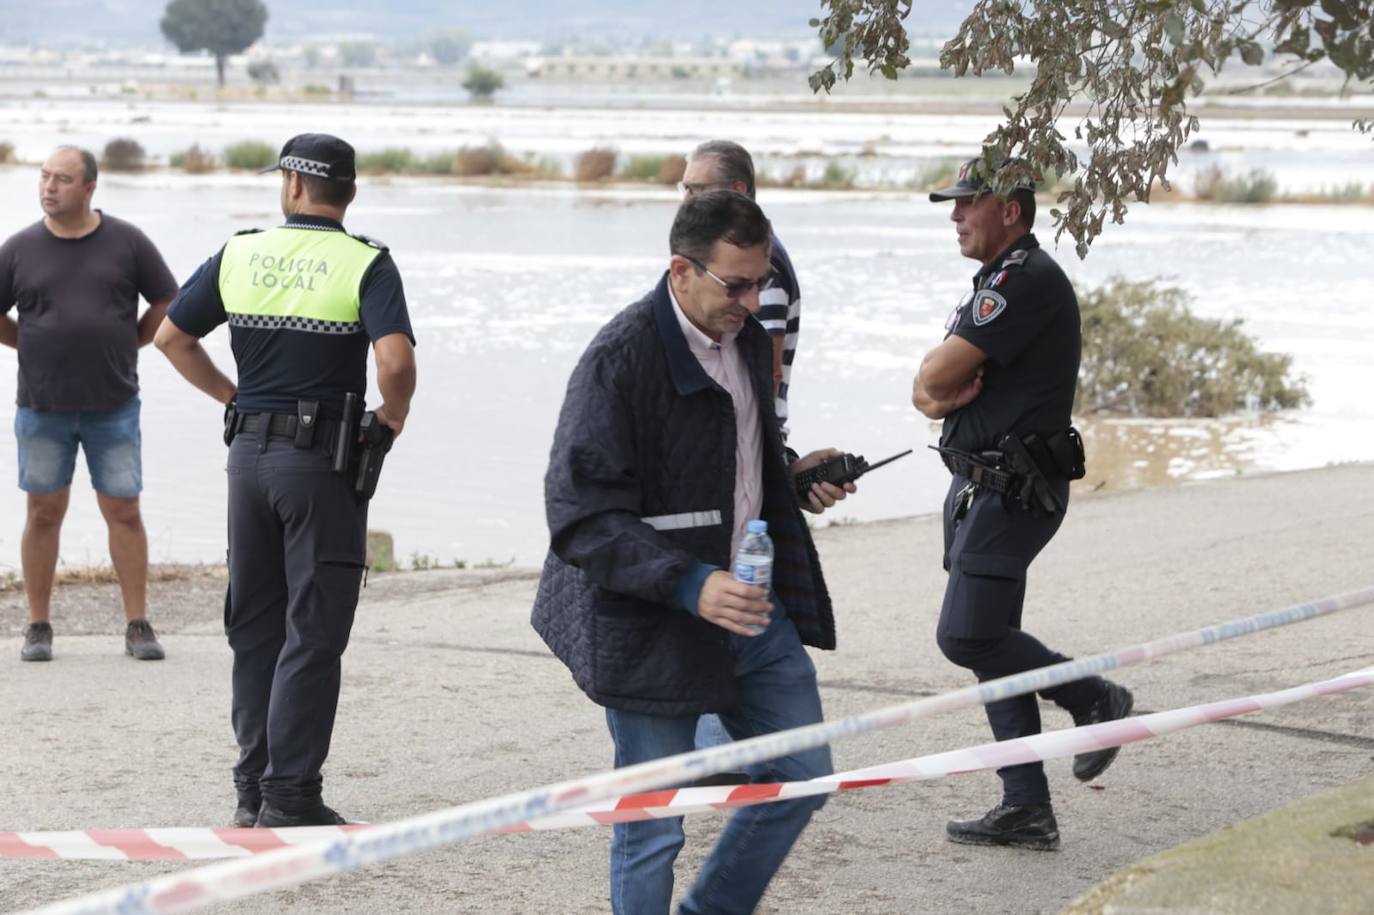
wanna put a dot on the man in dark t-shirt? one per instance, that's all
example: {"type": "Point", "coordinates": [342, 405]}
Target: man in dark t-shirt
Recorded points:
{"type": "Point", "coordinates": [74, 279]}
{"type": "Point", "coordinates": [1002, 380]}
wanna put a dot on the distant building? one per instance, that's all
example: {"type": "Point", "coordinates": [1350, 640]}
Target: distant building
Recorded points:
{"type": "Point", "coordinates": [614, 68]}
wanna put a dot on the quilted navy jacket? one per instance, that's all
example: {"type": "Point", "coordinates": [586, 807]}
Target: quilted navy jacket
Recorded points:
{"type": "Point", "coordinates": [639, 493]}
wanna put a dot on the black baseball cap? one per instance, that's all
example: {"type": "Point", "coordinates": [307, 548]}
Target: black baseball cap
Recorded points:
{"type": "Point", "coordinates": [318, 154]}
{"type": "Point", "coordinates": [970, 183]}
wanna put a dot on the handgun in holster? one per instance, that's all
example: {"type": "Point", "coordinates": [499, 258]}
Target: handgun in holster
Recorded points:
{"type": "Point", "coordinates": [231, 421]}
{"type": "Point", "coordinates": [374, 441]}
{"type": "Point", "coordinates": [1037, 458]}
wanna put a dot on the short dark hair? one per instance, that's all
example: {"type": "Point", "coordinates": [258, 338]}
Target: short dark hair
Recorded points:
{"type": "Point", "coordinates": [733, 162]}
{"type": "Point", "coordinates": [728, 216]}
{"type": "Point", "coordinates": [1026, 198]}
{"type": "Point", "coordinates": [332, 192]}
{"type": "Point", "coordinates": [90, 170]}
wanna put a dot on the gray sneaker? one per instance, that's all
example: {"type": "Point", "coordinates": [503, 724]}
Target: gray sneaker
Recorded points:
{"type": "Point", "coordinates": [141, 641]}
{"type": "Point", "coordinates": [37, 643]}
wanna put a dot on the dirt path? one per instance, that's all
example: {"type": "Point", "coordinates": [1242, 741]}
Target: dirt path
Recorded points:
{"type": "Point", "coordinates": [449, 696]}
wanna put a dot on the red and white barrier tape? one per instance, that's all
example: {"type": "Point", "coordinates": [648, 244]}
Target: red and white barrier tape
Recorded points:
{"type": "Point", "coordinates": [177, 844]}
{"type": "Point", "coordinates": [194, 889]}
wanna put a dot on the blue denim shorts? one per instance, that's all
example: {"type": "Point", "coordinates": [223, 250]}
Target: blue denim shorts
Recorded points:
{"type": "Point", "coordinates": [110, 438]}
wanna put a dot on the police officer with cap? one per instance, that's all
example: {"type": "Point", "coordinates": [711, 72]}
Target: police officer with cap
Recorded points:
{"type": "Point", "coordinates": [1003, 381]}
{"type": "Point", "coordinates": [302, 302]}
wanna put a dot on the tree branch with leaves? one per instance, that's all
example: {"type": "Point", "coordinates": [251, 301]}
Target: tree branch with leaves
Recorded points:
{"type": "Point", "coordinates": [1132, 66]}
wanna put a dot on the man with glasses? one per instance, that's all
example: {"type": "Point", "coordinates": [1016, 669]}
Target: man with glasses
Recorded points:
{"type": "Point", "coordinates": [666, 447]}
{"type": "Point", "coordinates": [725, 165]}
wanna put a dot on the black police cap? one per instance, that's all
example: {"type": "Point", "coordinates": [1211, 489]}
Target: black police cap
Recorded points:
{"type": "Point", "coordinates": [318, 154]}
{"type": "Point", "coordinates": [970, 184]}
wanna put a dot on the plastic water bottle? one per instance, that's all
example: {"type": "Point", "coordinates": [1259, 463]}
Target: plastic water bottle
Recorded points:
{"type": "Point", "coordinates": [754, 562]}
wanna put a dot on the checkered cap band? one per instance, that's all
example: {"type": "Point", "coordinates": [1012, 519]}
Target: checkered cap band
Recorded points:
{"type": "Point", "coordinates": [307, 166]}
{"type": "Point", "coordinates": [289, 322]}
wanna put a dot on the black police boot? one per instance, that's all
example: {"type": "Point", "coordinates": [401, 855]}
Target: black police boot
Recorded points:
{"type": "Point", "coordinates": [271, 817]}
{"type": "Point", "coordinates": [1019, 826]}
{"type": "Point", "coordinates": [246, 814]}
{"type": "Point", "coordinates": [1116, 702]}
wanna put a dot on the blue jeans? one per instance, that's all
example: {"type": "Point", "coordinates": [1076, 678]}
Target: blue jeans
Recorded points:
{"type": "Point", "coordinates": [48, 441]}
{"type": "Point", "coordinates": [777, 691]}
{"type": "Point", "coordinates": [711, 732]}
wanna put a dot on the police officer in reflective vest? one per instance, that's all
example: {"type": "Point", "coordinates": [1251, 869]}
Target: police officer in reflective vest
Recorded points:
{"type": "Point", "coordinates": [1003, 381]}
{"type": "Point", "coordinates": [302, 302]}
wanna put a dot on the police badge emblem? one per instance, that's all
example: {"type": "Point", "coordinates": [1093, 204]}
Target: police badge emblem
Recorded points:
{"type": "Point", "coordinates": [953, 320]}
{"type": "Point", "coordinates": [987, 306]}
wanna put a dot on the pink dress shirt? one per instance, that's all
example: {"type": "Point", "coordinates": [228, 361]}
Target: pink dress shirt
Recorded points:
{"type": "Point", "coordinates": [725, 365]}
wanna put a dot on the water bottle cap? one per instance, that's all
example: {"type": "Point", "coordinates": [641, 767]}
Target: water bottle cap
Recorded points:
{"type": "Point", "coordinates": [757, 527]}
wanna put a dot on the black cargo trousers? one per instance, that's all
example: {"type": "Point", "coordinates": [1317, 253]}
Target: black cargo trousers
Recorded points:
{"type": "Point", "coordinates": [987, 553]}
{"type": "Point", "coordinates": [297, 548]}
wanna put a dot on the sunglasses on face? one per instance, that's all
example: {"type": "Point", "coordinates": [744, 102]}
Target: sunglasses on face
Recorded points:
{"type": "Point", "coordinates": [733, 289]}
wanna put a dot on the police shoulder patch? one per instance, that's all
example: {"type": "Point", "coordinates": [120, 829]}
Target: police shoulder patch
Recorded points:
{"type": "Point", "coordinates": [986, 306]}
{"type": "Point", "coordinates": [370, 242]}
{"type": "Point", "coordinates": [1016, 257]}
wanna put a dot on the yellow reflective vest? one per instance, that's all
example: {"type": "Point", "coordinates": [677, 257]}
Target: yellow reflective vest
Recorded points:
{"type": "Point", "coordinates": [296, 278]}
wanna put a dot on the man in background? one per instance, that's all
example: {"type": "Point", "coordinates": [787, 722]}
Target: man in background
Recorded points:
{"type": "Point", "coordinates": [75, 278]}
{"type": "Point", "coordinates": [725, 165]}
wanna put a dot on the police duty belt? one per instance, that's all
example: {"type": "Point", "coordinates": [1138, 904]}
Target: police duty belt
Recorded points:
{"type": "Point", "coordinates": [983, 470]}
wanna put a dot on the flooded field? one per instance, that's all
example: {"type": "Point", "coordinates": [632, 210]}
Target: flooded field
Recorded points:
{"type": "Point", "coordinates": [507, 285]}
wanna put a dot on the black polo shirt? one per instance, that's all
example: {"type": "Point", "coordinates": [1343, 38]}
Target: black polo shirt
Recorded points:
{"type": "Point", "coordinates": [1023, 313]}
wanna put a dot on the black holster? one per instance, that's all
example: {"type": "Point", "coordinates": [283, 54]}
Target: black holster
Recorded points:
{"type": "Point", "coordinates": [231, 421]}
{"type": "Point", "coordinates": [1022, 467]}
{"type": "Point", "coordinates": [375, 442]}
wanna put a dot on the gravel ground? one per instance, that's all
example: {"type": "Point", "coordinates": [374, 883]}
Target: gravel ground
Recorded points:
{"type": "Point", "coordinates": [449, 697]}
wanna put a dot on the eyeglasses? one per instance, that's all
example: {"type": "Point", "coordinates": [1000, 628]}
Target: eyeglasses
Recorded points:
{"type": "Point", "coordinates": [736, 289]}
{"type": "Point", "coordinates": [700, 187]}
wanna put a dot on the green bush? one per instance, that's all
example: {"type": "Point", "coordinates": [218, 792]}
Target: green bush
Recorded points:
{"type": "Point", "coordinates": [655, 169]}
{"type": "Point", "coordinates": [1350, 192]}
{"type": "Point", "coordinates": [123, 155]}
{"type": "Point", "coordinates": [483, 82]}
{"type": "Point", "coordinates": [641, 168]}
{"type": "Point", "coordinates": [836, 176]}
{"type": "Point", "coordinates": [1259, 186]}
{"type": "Point", "coordinates": [434, 164]}
{"type": "Point", "coordinates": [1146, 354]}
{"type": "Point", "coordinates": [393, 160]}
{"type": "Point", "coordinates": [263, 72]}
{"type": "Point", "coordinates": [250, 154]}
